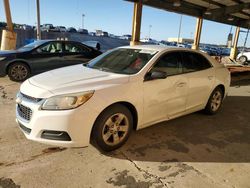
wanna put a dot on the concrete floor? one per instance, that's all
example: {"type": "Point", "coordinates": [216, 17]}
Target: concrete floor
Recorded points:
{"type": "Point", "coordinates": [192, 151]}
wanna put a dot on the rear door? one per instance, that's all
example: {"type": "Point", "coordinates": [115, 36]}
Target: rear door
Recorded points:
{"type": "Point", "coordinates": [76, 53]}
{"type": "Point", "coordinates": [200, 75]}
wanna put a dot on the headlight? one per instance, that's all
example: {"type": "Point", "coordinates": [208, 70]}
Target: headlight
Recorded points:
{"type": "Point", "coordinates": [2, 58]}
{"type": "Point", "coordinates": [66, 102]}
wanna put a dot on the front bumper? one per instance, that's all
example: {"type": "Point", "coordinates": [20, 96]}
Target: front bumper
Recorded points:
{"type": "Point", "coordinates": [76, 123]}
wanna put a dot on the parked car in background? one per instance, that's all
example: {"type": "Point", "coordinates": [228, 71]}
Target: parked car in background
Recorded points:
{"type": "Point", "coordinates": [124, 89]}
{"type": "Point", "coordinates": [92, 34]}
{"type": "Point", "coordinates": [225, 51]}
{"type": "Point", "coordinates": [27, 27]}
{"type": "Point", "coordinates": [105, 34]}
{"type": "Point", "coordinates": [149, 40]}
{"type": "Point", "coordinates": [43, 55]}
{"type": "Point", "coordinates": [98, 33]}
{"type": "Point", "coordinates": [83, 31]}
{"type": "Point", "coordinates": [101, 33]}
{"type": "Point", "coordinates": [47, 27]}
{"type": "Point", "coordinates": [3, 24]}
{"type": "Point", "coordinates": [71, 30]}
{"type": "Point", "coordinates": [61, 29]}
{"type": "Point", "coordinates": [167, 43]}
{"type": "Point", "coordinates": [126, 37]}
{"type": "Point", "coordinates": [243, 57]}
{"type": "Point", "coordinates": [212, 51]}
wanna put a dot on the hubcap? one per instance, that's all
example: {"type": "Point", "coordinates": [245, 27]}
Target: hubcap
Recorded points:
{"type": "Point", "coordinates": [216, 101]}
{"type": "Point", "coordinates": [115, 129]}
{"type": "Point", "coordinates": [19, 72]}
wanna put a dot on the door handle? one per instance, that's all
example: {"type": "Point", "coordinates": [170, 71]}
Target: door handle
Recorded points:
{"type": "Point", "coordinates": [181, 84]}
{"type": "Point", "coordinates": [210, 77]}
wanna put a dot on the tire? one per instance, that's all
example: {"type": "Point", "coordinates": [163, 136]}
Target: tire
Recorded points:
{"type": "Point", "coordinates": [215, 101]}
{"type": "Point", "coordinates": [243, 59]}
{"type": "Point", "coordinates": [18, 72]}
{"type": "Point", "coordinates": [108, 133]}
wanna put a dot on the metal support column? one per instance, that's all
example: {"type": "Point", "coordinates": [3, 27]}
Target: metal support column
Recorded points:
{"type": "Point", "coordinates": [136, 28]}
{"type": "Point", "coordinates": [197, 37]}
{"type": "Point", "coordinates": [8, 36]}
{"type": "Point", "coordinates": [8, 15]}
{"type": "Point", "coordinates": [38, 28]}
{"type": "Point", "coordinates": [234, 48]}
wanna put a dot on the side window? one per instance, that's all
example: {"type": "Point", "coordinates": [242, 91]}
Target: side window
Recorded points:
{"type": "Point", "coordinates": [169, 63]}
{"type": "Point", "coordinates": [74, 48]}
{"type": "Point", "coordinates": [50, 48]}
{"type": "Point", "coordinates": [194, 62]}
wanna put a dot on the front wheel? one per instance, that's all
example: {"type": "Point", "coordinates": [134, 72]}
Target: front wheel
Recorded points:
{"type": "Point", "coordinates": [215, 101]}
{"type": "Point", "coordinates": [113, 127]}
{"type": "Point", "coordinates": [18, 72]}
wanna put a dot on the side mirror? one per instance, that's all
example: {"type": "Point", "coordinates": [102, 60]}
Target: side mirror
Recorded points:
{"type": "Point", "coordinates": [156, 75]}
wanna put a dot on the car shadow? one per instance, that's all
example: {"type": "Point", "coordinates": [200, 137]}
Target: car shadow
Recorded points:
{"type": "Point", "coordinates": [224, 137]}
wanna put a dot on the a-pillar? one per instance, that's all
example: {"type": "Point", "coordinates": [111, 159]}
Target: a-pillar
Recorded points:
{"type": "Point", "coordinates": [197, 36]}
{"type": "Point", "coordinates": [8, 36]}
{"type": "Point", "coordinates": [233, 52]}
{"type": "Point", "coordinates": [136, 28]}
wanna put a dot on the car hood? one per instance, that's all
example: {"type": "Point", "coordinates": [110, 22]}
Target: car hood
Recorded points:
{"type": "Point", "coordinates": [73, 79]}
{"type": "Point", "coordinates": [8, 52]}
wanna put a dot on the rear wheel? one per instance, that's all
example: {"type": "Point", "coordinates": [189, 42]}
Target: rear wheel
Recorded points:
{"type": "Point", "coordinates": [113, 127]}
{"type": "Point", "coordinates": [243, 59]}
{"type": "Point", "coordinates": [18, 72]}
{"type": "Point", "coordinates": [214, 102]}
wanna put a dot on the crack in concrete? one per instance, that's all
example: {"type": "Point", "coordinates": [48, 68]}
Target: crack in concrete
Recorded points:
{"type": "Point", "coordinates": [181, 165]}
{"type": "Point", "coordinates": [159, 179]}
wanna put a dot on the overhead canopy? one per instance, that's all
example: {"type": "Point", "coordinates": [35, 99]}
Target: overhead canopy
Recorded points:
{"type": "Point", "coordinates": [232, 12]}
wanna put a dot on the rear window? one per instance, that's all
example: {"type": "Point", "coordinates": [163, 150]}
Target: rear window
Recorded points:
{"type": "Point", "coordinates": [194, 62]}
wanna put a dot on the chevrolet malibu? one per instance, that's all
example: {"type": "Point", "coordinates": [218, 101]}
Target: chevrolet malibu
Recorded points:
{"type": "Point", "coordinates": [123, 89]}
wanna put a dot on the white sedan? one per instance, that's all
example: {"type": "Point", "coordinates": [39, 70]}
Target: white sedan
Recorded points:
{"type": "Point", "coordinates": [243, 57]}
{"type": "Point", "coordinates": [123, 89]}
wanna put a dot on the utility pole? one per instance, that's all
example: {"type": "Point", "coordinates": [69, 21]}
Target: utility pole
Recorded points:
{"type": "Point", "coordinates": [38, 29]}
{"type": "Point", "coordinates": [179, 32]}
{"type": "Point", "coordinates": [149, 32]}
{"type": "Point", "coordinates": [83, 15]}
{"type": "Point", "coordinates": [245, 42]}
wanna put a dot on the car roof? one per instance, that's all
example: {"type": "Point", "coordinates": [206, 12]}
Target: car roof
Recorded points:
{"type": "Point", "coordinates": [55, 40]}
{"type": "Point", "coordinates": [153, 47]}
{"type": "Point", "coordinates": [161, 48]}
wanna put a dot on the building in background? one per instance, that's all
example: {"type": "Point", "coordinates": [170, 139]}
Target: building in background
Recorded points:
{"type": "Point", "coordinates": [181, 40]}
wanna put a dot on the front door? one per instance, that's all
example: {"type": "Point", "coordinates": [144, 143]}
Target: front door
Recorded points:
{"type": "Point", "coordinates": [47, 57]}
{"type": "Point", "coordinates": [165, 98]}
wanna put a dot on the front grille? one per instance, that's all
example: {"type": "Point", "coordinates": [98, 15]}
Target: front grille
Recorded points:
{"type": "Point", "coordinates": [24, 112]}
{"type": "Point", "coordinates": [32, 99]}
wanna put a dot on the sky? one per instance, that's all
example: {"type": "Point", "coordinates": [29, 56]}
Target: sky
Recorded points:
{"type": "Point", "coordinates": [115, 16]}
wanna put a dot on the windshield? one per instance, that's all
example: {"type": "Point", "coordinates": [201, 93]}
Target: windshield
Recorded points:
{"type": "Point", "coordinates": [122, 60]}
{"type": "Point", "coordinates": [31, 45]}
